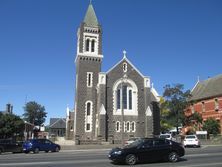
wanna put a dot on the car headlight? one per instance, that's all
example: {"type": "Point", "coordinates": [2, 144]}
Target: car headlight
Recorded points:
{"type": "Point", "coordinates": [118, 152]}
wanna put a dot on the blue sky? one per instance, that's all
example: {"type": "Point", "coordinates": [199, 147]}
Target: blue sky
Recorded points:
{"type": "Point", "coordinates": [172, 41]}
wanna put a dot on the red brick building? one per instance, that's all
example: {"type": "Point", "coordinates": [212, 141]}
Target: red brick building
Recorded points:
{"type": "Point", "coordinates": [207, 99]}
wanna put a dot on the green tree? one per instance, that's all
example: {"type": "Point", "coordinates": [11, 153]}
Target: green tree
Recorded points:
{"type": "Point", "coordinates": [211, 126]}
{"type": "Point", "coordinates": [34, 113]}
{"type": "Point", "coordinates": [176, 99]}
{"type": "Point", "coordinates": [165, 125]}
{"type": "Point", "coordinates": [11, 126]}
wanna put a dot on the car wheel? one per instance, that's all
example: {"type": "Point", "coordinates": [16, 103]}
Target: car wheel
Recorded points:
{"type": "Point", "coordinates": [26, 152]}
{"type": "Point", "coordinates": [57, 149]}
{"type": "Point", "coordinates": [0, 150]}
{"type": "Point", "coordinates": [173, 157]}
{"type": "Point", "coordinates": [36, 150]}
{"type": "Point", "coordinates": [47, 151]}
{"type": "Point", "coordinates": [130, 159]}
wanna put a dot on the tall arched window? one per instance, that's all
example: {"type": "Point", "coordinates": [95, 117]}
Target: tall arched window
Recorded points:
{"type": "Point", "coordinates": [88, 116]}
{"type": "Point", "coordinates": [118, 98]}
{"type": "Point", "coordinates": [130, 99]}
{"type": "Point", "coordinates": [125, 97]}
{"type": "Point", "coordinates": [88, 109]}
{"type": "Point", "coordinates": [93, 45]}
{"type": "Point", "coordinates": [87, 45]}
{"type": "Point", "coordinates": [126, 93]}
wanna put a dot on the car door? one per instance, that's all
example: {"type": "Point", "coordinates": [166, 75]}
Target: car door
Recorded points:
{"type": "Point", "coordinates": [161, 148]}
{"type": "Point", "coordinates": [48, 145]}
{"type": "Point", "coordinates": [144, 151]}
{"type": "Point", "coordinates": [41, 144]}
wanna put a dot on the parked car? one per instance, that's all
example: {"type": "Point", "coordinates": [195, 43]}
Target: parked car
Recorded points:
{"type": "Point", "coordinates": [131, 140]}
{"type": "Point", "coordinates": [147, 149]}
{"type": "Point", "coordinates": [191, 140]}
{"type": "Point", "coordinates": [8, 145]}
{"type": "Point", "coordinates": [36, 145]}
{"type": "Point", "coordinates": [168, 136]}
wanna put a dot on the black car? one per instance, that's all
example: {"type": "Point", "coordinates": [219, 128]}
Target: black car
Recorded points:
{"type": "Point", "coordinates": [37, 145]}
{"type": "Point", "coordinates": [8, 145]}
{"type": "Point", "coordinates": [148, 150]}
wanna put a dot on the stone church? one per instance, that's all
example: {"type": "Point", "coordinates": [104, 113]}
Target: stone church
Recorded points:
{"type": "Point", "coordinates": [113, 105]}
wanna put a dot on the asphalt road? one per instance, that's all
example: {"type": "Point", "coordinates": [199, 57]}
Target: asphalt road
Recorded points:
{"type": "Point", "coordinates": [195, 157]}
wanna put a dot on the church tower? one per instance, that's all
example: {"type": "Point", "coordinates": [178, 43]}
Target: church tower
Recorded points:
{"type": "Point", "coordinates": [88, 66]}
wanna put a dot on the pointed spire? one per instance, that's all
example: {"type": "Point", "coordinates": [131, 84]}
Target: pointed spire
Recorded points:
{"type": "Point", "coordinates": [90, 17]}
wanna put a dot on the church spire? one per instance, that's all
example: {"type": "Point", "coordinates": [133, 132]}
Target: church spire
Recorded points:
{"type": "Point", "coordinates": [90, 17]}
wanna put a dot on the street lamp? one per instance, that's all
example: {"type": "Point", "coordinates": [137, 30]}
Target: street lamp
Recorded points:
{"type": "Point", "coordinates": [122, 113]}
{"type": "Point", "coordinates": [123, 78]}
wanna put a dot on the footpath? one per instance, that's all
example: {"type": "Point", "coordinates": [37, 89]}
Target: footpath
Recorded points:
{"type": "Point", "coordinates": [87, 147]}
{"type": "Point", "coordinates": [110, 146]}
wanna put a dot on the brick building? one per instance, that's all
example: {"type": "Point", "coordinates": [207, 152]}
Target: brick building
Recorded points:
{"type": "Point", "coordinates": [207, 99]}
{"type": "Point", "coordinates": [112, 105]}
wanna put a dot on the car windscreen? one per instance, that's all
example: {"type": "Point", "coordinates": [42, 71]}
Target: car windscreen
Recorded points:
{"type": "Point", "coordinates": [134, 144]}
{"type": "Point", "coordinates": [190, 137]}
{"type": "Point", "coordinates": [164, 136]}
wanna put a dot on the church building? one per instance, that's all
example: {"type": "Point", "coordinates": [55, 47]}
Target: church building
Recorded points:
{"type": "Point", "coordinates": [113, 105]}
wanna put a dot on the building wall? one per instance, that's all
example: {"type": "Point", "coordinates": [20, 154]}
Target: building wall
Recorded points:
{"type": "Point", "coordinates": [84, 94]}
{"type": "Point", "coordinates": [140, 120]}
{"type": "Point", "coordinates": [207, 108]}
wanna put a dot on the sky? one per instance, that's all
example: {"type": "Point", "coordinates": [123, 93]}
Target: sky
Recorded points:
{"type": "Point", "coordinates": [171, 41]}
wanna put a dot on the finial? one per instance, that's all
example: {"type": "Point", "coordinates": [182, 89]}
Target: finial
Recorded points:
{"type": "Point", "coordinates": [124, 53]}
{"type": "Point", "coordinates": [90, 1]}
{"type": "Point", "coordinates": [152, 85]}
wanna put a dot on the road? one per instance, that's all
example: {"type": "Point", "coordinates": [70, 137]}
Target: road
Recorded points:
{"type": "Point", "coordinates": [195, 157]}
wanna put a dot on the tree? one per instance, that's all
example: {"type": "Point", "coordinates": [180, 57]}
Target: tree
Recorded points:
{"type": "Point", "coordinates": [211, 126]}
{"type": "Point", "coordinates": [165, 125]}
{"type": "Point", "coordinates": [11, 126]}
{"type": "Point", "coordinates": [34, 113]}
{"type": "Point", "coordinates": [176, 100]}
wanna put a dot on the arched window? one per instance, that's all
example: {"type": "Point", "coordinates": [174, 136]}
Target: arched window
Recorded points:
{"type": "Point", "coordinates": [124, 67]}
{"type": "Point", "coordinates": [130, 99]}
{"type": "Point", "coordinates": [93, 46]}
{"type": "Point", "coordinates": [127, 126]}
{"type": "Point", "coordinates": [118, 126]}
{"type": "Point", "coordinates": [88, 109]}
{"type": "Point", "coordinates": [118, 98]}
{"type": "Point", "coordinates": [133, 126]}
{"type": "Point", "coordinates": [89, 79]}
{"type": "Point", "coordinates": [125, 97]}
{"type": "Point", "coordinates": [88, 116]}
{"type": "Point", "coordinates": [87, 45]}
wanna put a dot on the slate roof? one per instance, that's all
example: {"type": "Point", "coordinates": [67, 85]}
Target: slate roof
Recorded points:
{"type": "Point", "coordinates": [212, 87]}
{"type": "Point", "coordinates": [90, 17]}
{"type": "Point", "coordinates": [57, 123]}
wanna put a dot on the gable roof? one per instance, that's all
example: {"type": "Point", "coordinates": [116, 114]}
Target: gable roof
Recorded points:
{"type": "Point", "coordinates": [57, 123]}
{"type": "Point", "coordinates": [211, 87]}
{"type": "Point", "coordinates": [90, 17]}
{"type": "Point", "coordinates": [127, 60]}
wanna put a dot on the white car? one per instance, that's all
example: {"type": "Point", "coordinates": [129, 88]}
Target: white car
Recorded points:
{"type": "Point", "coordinates": [191, 140]}
{"type": "Point", "coordinates": [167, 136]}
